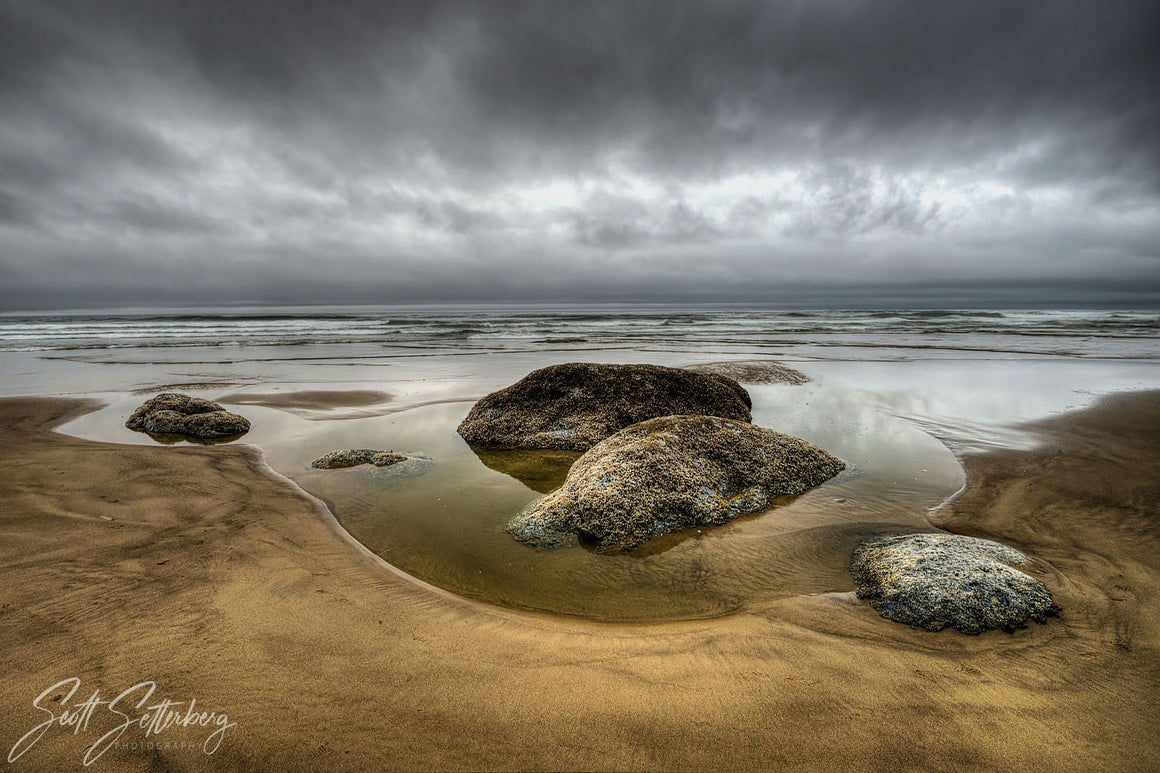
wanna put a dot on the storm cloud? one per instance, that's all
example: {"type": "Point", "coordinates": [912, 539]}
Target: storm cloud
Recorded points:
{"type": "Point", "coordinates": [827, 153]}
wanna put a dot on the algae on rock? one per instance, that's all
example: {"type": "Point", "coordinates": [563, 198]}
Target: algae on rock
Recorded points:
{"type": "Point", "coordinates": [934, 581]}
{"type": "Point", "coordinates": [576, 405]}
{"type": "Point", "coordinates": [172, 413]}
{"type": "Point", "coordinates": [671, 473]}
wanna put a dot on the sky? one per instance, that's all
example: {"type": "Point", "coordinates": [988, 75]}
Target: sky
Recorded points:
{"type": "Point", "coordinates": [821, 153]}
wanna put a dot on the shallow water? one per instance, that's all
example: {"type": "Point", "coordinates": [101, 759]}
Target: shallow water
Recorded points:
{"type": "Point", "coordinates": [886, 384]}
{"type": "Point", "coordinates": [447, 526]}
{"type": "Point", "coordinates": [444, 523]}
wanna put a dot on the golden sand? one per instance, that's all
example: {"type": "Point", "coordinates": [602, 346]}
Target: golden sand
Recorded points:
{"type": "Point", "coordinates": [200, 569]}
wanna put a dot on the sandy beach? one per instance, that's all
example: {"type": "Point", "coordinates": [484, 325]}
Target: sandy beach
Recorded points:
{"type": "Point", "coordinates": [202, 570]}
{"type": "Point", "coordinates": [579, 386]}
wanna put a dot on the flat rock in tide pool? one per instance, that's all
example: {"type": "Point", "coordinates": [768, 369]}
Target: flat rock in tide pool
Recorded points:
{"type": "Point", "coordinates": [935, 581]}
{"type": "Point", "coordinates": [172, 413]}
{"type": "Point", "coordinates": [576, 405]}
{"type": "Point", "coordinates": [753, 372]}
{"type": "Point", "coordinates": [352, 457]}
{"type": "Point", "coordinates": [671, 473]}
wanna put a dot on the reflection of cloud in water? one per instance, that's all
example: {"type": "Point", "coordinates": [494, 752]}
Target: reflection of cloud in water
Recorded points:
{"type": "Point", "coordinates": [894, 459]}
{"type": "Point", "coordinates": [979, 403]}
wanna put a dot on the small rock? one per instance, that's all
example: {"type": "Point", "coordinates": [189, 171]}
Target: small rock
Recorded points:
{"type": "Point", "coordinates": [171, 413]}
{"type": "Point", "coordinates": [352, 457]}
{"type": "Point", "coordinates": [753, 372]}
{"type": "Point", "coordinates": [933, 581]}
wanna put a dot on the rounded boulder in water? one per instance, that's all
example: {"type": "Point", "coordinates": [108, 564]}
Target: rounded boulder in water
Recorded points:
{"type": "Point", "coordinates": [670, 473]}
{"type": "Point", "coordinates": [574, 406]}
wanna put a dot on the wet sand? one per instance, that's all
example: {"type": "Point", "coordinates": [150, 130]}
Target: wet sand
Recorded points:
{"type": "Point", "coordinates": [309, 401]}
{"type": "Point", "coordinates": [200, 569]}
{"type": "Point", "coordinates": [320, 404]}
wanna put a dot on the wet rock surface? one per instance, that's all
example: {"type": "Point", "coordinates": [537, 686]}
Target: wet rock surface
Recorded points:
{"type": "Point", "coordinates": [173, 413]}
{"type": "Point", "coordinates": [753, 372]}
{"type": "Point", "coordinates": [671, 473]}
{"type": "Point", "coordinates": [352, 457]}
{"type": "Point", "coordinates": [935, 581]}
{"type": "Point", "coordinates": [576, 405]}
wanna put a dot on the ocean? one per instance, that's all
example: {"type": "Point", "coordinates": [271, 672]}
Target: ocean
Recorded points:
{"type": "Point", "coordinates": [1101, 334]}
{"type": "Point", "coordinates": [1022, 365]}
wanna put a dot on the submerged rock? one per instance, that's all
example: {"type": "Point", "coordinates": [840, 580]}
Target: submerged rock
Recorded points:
{"type": "Point", "coordinates": [574, 406]}
{"type": "Point", "coordinates": [933, 581]}
{"type": "Point", "coordinates": [753, 372]}
{"type": "Point", "coordinates": [177, 414]}
{"type": "Point", "coordinates": [671, 473]}
{"type": "Point", "coordinates": [352, 457]}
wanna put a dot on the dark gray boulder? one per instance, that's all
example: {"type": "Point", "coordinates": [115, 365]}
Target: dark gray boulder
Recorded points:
{"type": "Point", "coordinates": [171, 413]}
{"type": "Point", "coordinates": [934, 581]}
{"type": "Point", "coordinates": [352, 457]}
{"type": "Point", "coordinates": [671, 473]}
{"type": "Point", "coordinates": [576, 405]}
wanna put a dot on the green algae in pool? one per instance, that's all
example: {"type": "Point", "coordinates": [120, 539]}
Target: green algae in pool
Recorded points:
{"type": "Point", "coordinates": [446, 526]}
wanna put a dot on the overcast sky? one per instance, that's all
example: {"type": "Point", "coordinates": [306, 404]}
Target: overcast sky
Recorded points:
{"type": "Point", "coordinates": [832, 153]}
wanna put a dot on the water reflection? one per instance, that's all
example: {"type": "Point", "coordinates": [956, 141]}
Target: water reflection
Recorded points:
{"type": "Point", "coordinates": [172, 439]}
{"type": "Point", "coordinates": [542, 471]}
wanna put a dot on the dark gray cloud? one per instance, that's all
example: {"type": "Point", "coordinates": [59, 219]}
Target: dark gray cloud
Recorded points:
{"type": "Point", "coordinates": [320, 152]}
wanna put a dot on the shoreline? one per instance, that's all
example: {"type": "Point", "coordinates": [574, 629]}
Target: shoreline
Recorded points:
{"type": "Point", "coordinates": [214, 575]}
